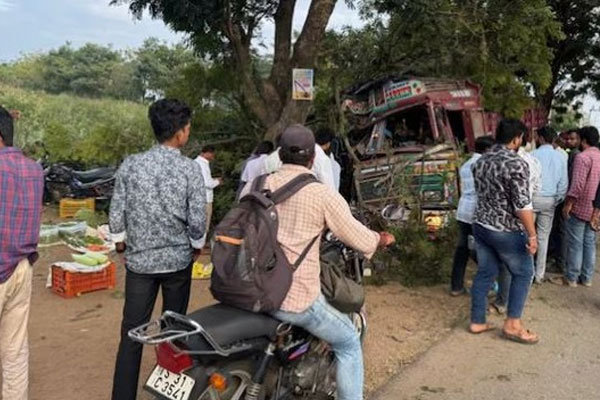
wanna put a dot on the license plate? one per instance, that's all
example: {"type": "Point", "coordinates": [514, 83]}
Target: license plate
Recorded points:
{"type": "Point", "coordinates": [169, 384]}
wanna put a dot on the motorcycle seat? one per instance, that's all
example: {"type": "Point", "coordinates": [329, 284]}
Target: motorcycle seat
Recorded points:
{"type": "Point", "coordinates": [92, 184]}
{"type": "Point", "coordinates": [228, 325]}
{"type": "Point", "coordinates": [94, 174]}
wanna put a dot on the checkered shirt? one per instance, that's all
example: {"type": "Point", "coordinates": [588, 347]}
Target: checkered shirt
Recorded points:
{"type": "Point", "coordinates": [586, 177]}
{"type": "Point", "coordinates": [304, 216]}
{"type": "Point", "coordinates": [21, 189]}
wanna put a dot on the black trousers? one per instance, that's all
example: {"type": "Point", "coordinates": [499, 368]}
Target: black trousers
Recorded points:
{"type": "Point", "coordinates": [461, 256]}
{"type": "Point", "coordinates": [140, 295]}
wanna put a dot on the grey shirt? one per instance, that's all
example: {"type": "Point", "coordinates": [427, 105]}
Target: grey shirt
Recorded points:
{"type": "Point", "coordinates": [158, 208]}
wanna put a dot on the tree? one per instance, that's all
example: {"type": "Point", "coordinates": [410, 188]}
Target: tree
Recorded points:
{"type": "Point", "coordinates": [157, 65]}
{"type": "Point", "coordinates": [500, 44]}
{"type": "Point", "coordinates": [227, 29]}
{"type": "Point", "coordinates": [575, 66]}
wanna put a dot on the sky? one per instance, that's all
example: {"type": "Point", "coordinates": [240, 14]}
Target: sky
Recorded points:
{"type": "Point", "coordinates": [28, 26]}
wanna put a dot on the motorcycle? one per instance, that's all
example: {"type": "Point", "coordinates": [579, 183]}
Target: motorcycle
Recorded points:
{"type": "Point", "coordinates": [62, 181]}
{"type": "Point", "coordinates": [224, 353]}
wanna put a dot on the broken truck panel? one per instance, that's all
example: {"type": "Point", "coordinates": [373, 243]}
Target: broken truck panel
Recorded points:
{"type": "Point", "coordinates": [407, 132]}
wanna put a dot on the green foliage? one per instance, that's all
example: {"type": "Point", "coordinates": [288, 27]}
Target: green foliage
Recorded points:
{"type": "Point", "coordinates": [88, 131]}
{"type": "Point", "coordinates": [576, 54]}
{"type": "Point", "coordinates": [418, 258]}
{"type": "Point", "coordinates": [500, 44]}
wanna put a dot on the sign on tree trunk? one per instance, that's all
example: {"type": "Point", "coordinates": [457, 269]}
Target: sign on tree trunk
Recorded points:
{"type": "Point", "coordinates": [303, 84]}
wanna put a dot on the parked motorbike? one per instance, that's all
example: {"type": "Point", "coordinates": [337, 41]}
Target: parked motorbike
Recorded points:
{"type": "Point", "coordinates": [224, 353]}
{"type": "Point", "coordinates": [62, 181]}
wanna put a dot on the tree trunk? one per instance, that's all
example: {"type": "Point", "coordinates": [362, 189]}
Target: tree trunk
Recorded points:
{"type": "Point", "coordinates": [270, 99]}
{"type": "Point", "coordinates": [294, 112]}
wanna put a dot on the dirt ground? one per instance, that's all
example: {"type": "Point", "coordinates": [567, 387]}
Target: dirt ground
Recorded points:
{"type": "Point", "coordinates": [73, 342]}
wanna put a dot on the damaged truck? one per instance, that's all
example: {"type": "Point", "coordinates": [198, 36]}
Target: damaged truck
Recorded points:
{"type": "Point", "coordinates": [407, 136]}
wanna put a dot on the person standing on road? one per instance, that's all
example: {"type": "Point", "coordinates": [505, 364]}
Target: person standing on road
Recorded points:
{"type": "Point", "coordinates": [255, 167]}
{"type": "Point", "coordinates": [324, 137]}
{"type": "Point", "coordinates": [464, 215]}
{"type": "Point", "coordinates": [554, 188]}
{"type": "Point", "coordinates": [573, 142]}
{"type": "Point", "coordinates": [578, 209]}
{"type": "Point", "coordinates": [158, 216]}
{"type": "Point", "coordinates": [207, 155]}
{"type": "Point", "coordinates": [22, 186]}
{"type": "Point", "coordinates": [321, 166]}
{"type": "Point", "coordinates": [504, 230]}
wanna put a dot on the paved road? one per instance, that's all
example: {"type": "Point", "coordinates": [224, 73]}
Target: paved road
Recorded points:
{"type": "Point", "coordinates": [564, 365]}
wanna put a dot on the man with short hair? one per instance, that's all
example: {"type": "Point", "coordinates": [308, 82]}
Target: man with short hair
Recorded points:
{"type": "Point", "coordinates": [254, 168]}
{"type": "Point", "coordinates": [207, 155]}
{"type": "Point", "coordinates": [324, 137]}
{"type": "Point", "coordinates": [554, 188]}
{"type": "Point", "coordinates": [464, 215]}
{"type": "Point", "coordinates": [504, 230]}
{"type": "Point", "coordinates": [158, 211]}
{"type": "Point", "coordinates": [321, 166]}
{"type": "Point", "coordinates": [303, 217]}
{"type": "Point", "coordinates": [22, 186]}
{"type": "Point", "coordinates": [578, 209]}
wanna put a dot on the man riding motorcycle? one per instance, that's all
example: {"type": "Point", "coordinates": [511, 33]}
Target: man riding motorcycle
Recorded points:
{"type": "Point", "coordinates": [301, 218]}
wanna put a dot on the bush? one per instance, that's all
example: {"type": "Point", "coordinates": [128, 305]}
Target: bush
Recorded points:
{"type": "Point", "coordinates": [418, 258]}
{"type": "Point", "coordinates": [73, 129]}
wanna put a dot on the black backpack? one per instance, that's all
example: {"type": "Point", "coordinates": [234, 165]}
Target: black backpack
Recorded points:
{"type": "Point", "coordinates": [250, 270]}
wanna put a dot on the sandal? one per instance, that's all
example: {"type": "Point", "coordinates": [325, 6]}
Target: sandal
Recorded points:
{"type": "Point", "coordinates": [498, 309]}
{"type": "Point", "coordinates": [521, 337]}
{"type": "Point", "coordinates": [488, 327]}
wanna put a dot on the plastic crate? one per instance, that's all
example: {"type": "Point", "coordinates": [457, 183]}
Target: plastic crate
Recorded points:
{"type": "Point", "coordinates": [70, 284]}
{"type": "Point", "coordinates": [69, 207]}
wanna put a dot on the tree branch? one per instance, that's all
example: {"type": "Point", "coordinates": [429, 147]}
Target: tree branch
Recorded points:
{"type": "Point", "coordinates": [283, 43]}
{"type": "Point", "coordinates": [307, 45]}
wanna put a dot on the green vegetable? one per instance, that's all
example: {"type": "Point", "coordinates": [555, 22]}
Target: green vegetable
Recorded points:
{"type": "Point", "coordinates": [93, 240]}
{"type": "Point", "coordinates": [84, 259]}
{"type": "Point", "coordinates": [99, 257]}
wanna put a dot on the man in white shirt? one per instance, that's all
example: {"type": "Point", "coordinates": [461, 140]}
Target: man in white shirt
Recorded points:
{"type": "Point", "coordinates": [321, 166]}
{"type": "Point", "coordinates": [324, 138]}
{"type": "Point", "coordinates": [207, 155]}
{"type": "Point", "coordinates": [465, 215]}
{"type": "Point", "coordinates": [255, 167]}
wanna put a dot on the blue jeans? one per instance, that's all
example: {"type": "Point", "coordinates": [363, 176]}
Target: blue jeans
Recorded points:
{"type": "Point", "coordinates": [327, 323]}
{"type": "Point", "coordinates": [493, 249]}
{"type": "Point", "coordinates": [581, 254]}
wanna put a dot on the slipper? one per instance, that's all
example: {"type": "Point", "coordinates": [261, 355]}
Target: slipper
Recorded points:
{"type": "Point", "coordinates": [519, 338]}
{"type": "Point", "coordinates": [488, 327]}
{"type": "Point", "coordinates": [498, 309]}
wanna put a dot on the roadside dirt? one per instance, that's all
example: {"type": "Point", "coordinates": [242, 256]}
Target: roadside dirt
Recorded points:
{"type": "Point", "coordinates": [73, 342]}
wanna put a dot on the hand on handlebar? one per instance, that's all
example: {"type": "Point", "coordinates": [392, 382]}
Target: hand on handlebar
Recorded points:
{"type": "Point", "coordinates": [386, 239]}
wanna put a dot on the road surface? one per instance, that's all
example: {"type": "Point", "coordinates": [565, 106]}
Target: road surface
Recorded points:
{"type": "Point", "coordinates": [564, 365]}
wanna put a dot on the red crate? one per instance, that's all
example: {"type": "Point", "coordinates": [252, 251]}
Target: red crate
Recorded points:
{"type": "Point", "coordinates": [70, 284]}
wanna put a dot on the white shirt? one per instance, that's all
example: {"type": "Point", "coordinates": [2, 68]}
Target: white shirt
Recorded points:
{"type": "Point", "coordinates": [337, 171]}
{"type": "Point", "coordinates": [468, 196]}
{"type": "Point", "coordinates": [535, 172]}
{"type": "Point", "coordinates": [254, 168]}
{"type": "Point", "coordinates": [322, 167]}
{"type": "Point", "coordinates": [209, 182]}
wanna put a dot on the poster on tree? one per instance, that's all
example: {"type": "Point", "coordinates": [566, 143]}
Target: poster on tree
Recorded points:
{"type": "Point", "coordinates": [303, 84]}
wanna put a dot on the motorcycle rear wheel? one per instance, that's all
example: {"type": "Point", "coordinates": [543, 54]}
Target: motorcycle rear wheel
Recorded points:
{"type": "Point", "coordinates": [241, 377]}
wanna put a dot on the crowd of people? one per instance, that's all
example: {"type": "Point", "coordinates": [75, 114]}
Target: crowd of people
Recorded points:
{"type": "Point", "coordinates": [515, 204]}
{"type": "Point", "coordinates": [520, 206]}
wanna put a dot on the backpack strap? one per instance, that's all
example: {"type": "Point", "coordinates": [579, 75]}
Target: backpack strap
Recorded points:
{"type": "Point", "coordinates": [305, 252]}
{"type": "Point", "coordinates": [259, 183]}
{"type": "Point", "coordinates": [292, 187]}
